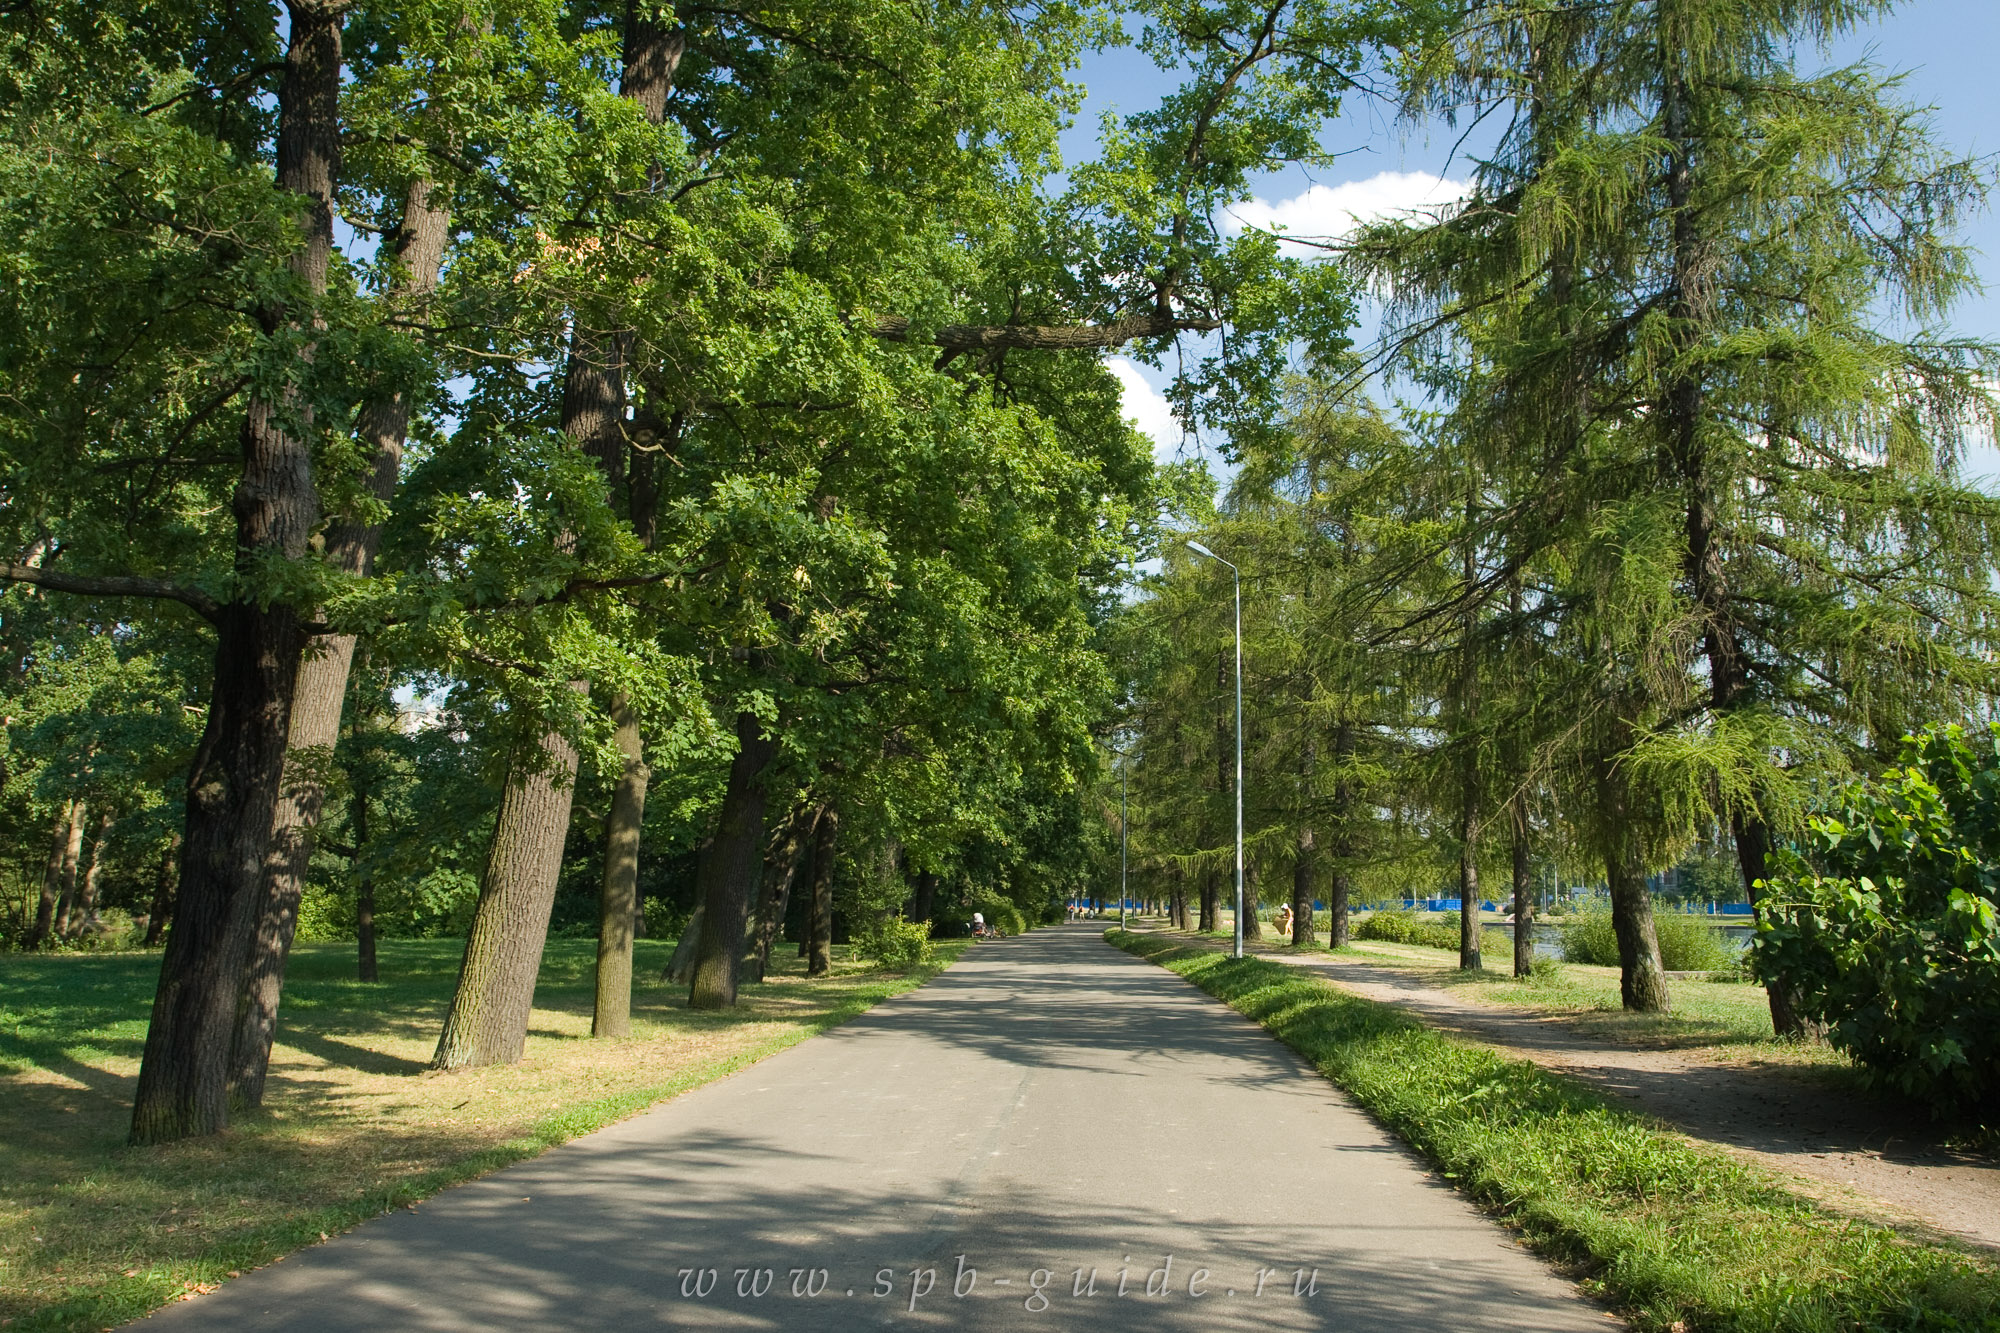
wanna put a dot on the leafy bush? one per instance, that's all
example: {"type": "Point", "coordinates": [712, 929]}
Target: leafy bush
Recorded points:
{"type": "Point", "coordinates": [999, 912]}
{"type": "Point", "coordinates": [1885, 925]}
{"type": "Point", "coordinates": [1688, 943]}
{"type": "Point", "coordinates": [1431, 930]}
{"type": "Point", "coordinates": [1399, 925]}
{"type": "Point", "coordinates": [895, 944]}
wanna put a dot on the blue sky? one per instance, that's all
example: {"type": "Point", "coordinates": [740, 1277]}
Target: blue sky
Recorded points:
{"type": "Point", "coordinates": [1948, 51]}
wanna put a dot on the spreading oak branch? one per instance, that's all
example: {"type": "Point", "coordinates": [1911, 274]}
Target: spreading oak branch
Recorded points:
{"type": "Point", "coordinates": [112, 585]}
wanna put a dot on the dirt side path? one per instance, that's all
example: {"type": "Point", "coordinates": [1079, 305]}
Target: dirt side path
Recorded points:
{"type": "Point", "coordinates": [1891, 1156]}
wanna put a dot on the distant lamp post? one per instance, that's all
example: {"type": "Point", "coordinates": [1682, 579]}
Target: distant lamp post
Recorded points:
{"type": "Point", "coordinates": [1236, 576]}
{"type": "Point", "coordinates": [1123, 862]}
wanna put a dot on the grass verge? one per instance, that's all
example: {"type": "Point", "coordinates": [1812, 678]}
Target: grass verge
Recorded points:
{"type": "Point", "coordinates": [93, 1232]}
{"type": "Point", "coordinates": [1705, 1013]}
{"type": "Point", "coordinates": [1677, 1236]}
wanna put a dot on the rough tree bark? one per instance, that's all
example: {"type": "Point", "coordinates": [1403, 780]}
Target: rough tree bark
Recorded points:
{"type": "Point", "coordinates": [59, 879]}
{"type": "Point", "coordinates": [925, 900]}
{"type": "Point", "coordinates": [1524, 895]}
{"type": "Point", "coordinates": [488, 1020]}
{"type": "Point", "coordinates": [162, 910]}
{"type": "Point", "coordinates": [594, 402]}
{"type": "Point", "coordinates": [84, 916]}
{"type": "Point", "coordinates": [727, 878]}
{"type": "Point", "coordinates": [619, 900]}
{"type": "Point", "coordinates": [45, 911]}
{"type": "Point", "coordinates": [233, 784]}
{"type": "Point", "coordinates": [1209, 896]}
{"type": "Point", "coordinates": [1642, 981]}
{"type": "Point", "coordinates": [819, 934]}
{"type": "Point", "coordinates": [1342, 849]}
{"type": "Point", "coordinates": [680, 966]}
{"type": "Point", "coordinates": [1253, 925]}
{"type": "Point", "coordinates": [781, 869]}
{"type": "Point", "coordinates": [1302, 889]}
{"type": "Point", "coordinates": [365, 965]}
{"type": "Point", "coordinates": [418, 244]}
{"type": "Point", "coordinates": [491, 986]}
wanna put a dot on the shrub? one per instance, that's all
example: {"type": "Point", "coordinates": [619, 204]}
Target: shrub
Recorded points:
{"type": "Point", "coordinates": [1688, 943]}
{"type": "Point", "coordinates": [1886, 922]}
{"type": "Point", "coordinates": [895, 944]}
{"type": "Point", "coordinates": [1399, 925]}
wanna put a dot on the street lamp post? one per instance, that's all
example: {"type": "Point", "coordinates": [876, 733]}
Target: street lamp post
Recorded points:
{"type": "Point", "coordinates": [1236, 576]}
{"type": "Point", "coordinates": [1122, 863]}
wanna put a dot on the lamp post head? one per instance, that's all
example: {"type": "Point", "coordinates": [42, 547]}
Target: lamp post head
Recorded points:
{"type": "Point", "coordinates": [1199, 549]}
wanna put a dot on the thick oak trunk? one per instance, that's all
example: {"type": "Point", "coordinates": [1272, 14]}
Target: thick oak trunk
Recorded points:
{"type": "Point", "coordinates": [618, 902]}
{"type": "Point", "coordinates": [488, 1020]}
{"type": "Point", "coordinates": [680, 966]}
{"type": "Point", "coordinates": [727, 878]}
{"type": "Point", "coordinates": [924, 902]}
{"type": "Point", "coordinates": [65, 868]}
{"type": "Point", "coordinates": [781, 869]}
{"type": "Point", "coordinates": [67, 818]}
{"type": "Point", "coordinates": [162, 910]}
{"type": "Point", "coordinates": [234, 783]}
{"type": "Point", "coordinates": [83, 919]}
{"type": "Point", "coordinates": [819, 935]}
{"type": "Point", "coordinates": [418, 244]}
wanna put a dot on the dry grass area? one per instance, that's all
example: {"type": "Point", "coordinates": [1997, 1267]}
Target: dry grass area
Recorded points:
{"type": "Point", "coordinates": [93, 1232]}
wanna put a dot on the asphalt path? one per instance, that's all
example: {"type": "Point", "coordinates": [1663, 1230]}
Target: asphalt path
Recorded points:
{"type": "Point", "coordinates": [1050, 1134]}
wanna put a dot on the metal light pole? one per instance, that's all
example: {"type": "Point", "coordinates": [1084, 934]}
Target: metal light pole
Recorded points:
{"type": "Point", "coordinates": [1237, 576]}
{"type": "Point", "coordinates": [1121, 844]}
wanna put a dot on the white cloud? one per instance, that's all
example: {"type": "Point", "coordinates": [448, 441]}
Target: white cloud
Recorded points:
{"type": "Point", "coordinates": [1146, 407]}
{"type": "Point", "coordinates": [1328, 212]}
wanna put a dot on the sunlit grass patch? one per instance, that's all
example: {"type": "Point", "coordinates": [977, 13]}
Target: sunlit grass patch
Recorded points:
{"type": "Point", "coordinates": [1676, 1234]}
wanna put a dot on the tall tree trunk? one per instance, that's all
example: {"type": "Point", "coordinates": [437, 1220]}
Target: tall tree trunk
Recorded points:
{"type": "Point", "coordinates": [1642, 981]}
{"type": "Point", "coordinates": [781, 868]}
{"type": "Point", "coordinates": [1209, 894]}
{"type": "Point", "coordinates": [68, 818]}
{"type": "Point", "coordinates": [488, 1020]}
{"type": "Point", "coordinates": [1524, 893]}
{"type": "Point", "coordinates": [1469, 933]}
{"type": "Point", "coordinates": [619, 900]}
{"type": "Point", "coordinates": [235, 780]}
{"type": "Point", "coordinates": [593, 407]}
{"type": "Point", "coordinates": [84, 919]}
{"type": "Point", "coordinates": [680, 966]}
{"type": "Point", "coordinates": [72, 857]}
{"type": "Point", "coordinates": [819, 935]}
{"type": "Point", "coordinates": [364, 887]}
{"type": "Point", "coordinates": [1253, 925]}
{"type": "Point", "coordinates": [926, 897]}
{"type": "Point", "coordinates": [1302, 890]}
{"type": "Point", "coordinates": [727, 878]}
{"type": "Point", "coordinates": [163, 893]}
{"type": "Point", "coordinates": [1469, 879]}
{"type": "Point", "coordinates": [1342, 850]}
{"type": "Point", "coordinates": [1753, 844]}
{"type": "Point", "coordinates": [419, 244]}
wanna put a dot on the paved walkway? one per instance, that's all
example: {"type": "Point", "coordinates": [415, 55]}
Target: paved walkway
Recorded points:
{"type": "Point", "coordinates": [1048, 1115]}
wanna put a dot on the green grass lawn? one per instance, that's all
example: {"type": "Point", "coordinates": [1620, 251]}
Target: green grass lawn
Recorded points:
{"type": "Point", "coordinates": [93, 1232]}
{"type": "Point", "coordinates": [1679, 1236]}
